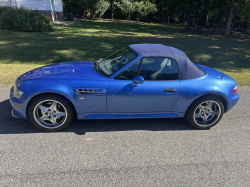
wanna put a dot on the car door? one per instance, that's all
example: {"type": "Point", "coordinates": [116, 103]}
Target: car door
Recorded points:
{"type": "Point", "coordinates": [158, 93]}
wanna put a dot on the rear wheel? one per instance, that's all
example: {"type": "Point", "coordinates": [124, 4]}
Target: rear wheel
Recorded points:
{"type": "Point", "coordinates": [205, 112]}
{"type": "Point", "coordinates": [50, 113]}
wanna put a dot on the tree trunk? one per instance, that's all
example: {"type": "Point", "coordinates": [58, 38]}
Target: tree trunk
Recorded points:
{"type": "Point", "coordinates": [205, 13]}
{"type": "Point", "coordinates": [158, 14]}
{"type": "Point", "coordinates": [197, 20]}
{"type": "Point", "coordinates": [230, 18]}
{"type": "Point", "coordinates": [165, 17]}
{"type": "Point", "coordinates": [94, 13]}
{"type": "Point", "coordinates": [171, 18]}
{"type": "Point", "coordinates": [92, 10]}
{"type": "Point", "coordinates": [182, 18]}
{"type": "Point", "coordinates": [128, 16]}
{"type": "Point", "coordinates": [220, 16]}
{"type": "Point", "coordinates": [211, 22]}
{"type": "Point", "coordinates": [204, 19]}
{"type": "Point", "coordinates": [112, 10]}
{"type": "Point", "coordinates": [188, 17]}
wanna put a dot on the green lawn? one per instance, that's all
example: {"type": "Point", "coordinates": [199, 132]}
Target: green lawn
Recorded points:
{"type": "Point", "coordinates": [89, 40]}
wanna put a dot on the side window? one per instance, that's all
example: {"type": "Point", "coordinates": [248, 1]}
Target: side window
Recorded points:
{"type": "Point", "coordinates": [130, 72]}
{"type": "Point", "coordinates": [159, 68]}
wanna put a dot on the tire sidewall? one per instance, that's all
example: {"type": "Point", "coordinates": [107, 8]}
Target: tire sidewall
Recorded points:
{"type": "Point", "coordinates": [195, 104]}
{"type": "Point", "coordinates": [60, 99]}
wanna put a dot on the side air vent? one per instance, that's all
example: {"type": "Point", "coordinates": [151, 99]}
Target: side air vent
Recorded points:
{"type": "Point", "coordinates": [80, 90]}
{"type": "Point", "coordinates": [86, 91]}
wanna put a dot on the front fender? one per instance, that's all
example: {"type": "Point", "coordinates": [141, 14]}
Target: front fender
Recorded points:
{"type": "Point", "coordinates": [32, 88]}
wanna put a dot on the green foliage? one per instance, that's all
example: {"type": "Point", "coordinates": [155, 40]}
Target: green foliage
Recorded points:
{"type": "Point", "coordinates": [242, 14]}
{"type": "Point", "coordinates": [101, 7]}
{"type": "Point", "coordinates": [24, 20]}
{"type": "Point", "coordinates": [212, 13]}
{"type": "Point", "coordinates": [2, 9]}
{"type": "Point", "coordinates": [80, 8]}
{"type": "Point", "coordinates": [126, 6]}
{"type": "Point", "coordinates": [143, 8]}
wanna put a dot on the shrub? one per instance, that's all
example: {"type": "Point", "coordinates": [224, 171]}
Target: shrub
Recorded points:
{"type": "Point", "coordinates": [2, 9]}
{"type": "Point", "coordinates": [24, 20]}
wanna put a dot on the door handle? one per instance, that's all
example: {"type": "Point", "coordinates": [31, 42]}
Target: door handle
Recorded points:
{"type": "Point", "coordinates": [169, 90]}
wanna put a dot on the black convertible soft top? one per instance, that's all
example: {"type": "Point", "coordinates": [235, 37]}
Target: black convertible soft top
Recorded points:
{"type": "Point", "coordinates": [187, 70]}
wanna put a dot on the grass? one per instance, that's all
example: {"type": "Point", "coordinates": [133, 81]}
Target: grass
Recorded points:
{"type": "Point", "coordinates": [89, 40]}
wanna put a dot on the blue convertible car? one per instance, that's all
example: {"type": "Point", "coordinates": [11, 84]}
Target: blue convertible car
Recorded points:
{"type": "Point", "coordinates": [140, 81]}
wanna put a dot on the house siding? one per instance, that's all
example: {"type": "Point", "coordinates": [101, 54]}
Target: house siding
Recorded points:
{"type": "Point", "coordinates": [40, 4]}
{"type": "Point", "coordinates": [43, 6]}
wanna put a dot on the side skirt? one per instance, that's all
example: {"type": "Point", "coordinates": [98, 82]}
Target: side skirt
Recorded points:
{"type": "Point", "coordinates": [128, 115]}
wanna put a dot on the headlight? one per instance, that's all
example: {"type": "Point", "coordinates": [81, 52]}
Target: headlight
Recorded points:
{"type": "Point", "coordinates": [17, 93]}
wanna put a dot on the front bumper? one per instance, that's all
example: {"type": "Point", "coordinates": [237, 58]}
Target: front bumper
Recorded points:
{"type": "Point", "coordinates": [17, 112]}
{"type": "Point", "coordinates": [232, 100]}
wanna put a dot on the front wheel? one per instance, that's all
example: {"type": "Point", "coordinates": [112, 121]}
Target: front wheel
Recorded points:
{"type": "Point", "coordinates": [50, 113]}
{"type": "Point", "coordinates": [205, 113]}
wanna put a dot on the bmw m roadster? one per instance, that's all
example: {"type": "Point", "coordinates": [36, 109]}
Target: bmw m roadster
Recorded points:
{"type": "Point", "coordinates": [140, 81]}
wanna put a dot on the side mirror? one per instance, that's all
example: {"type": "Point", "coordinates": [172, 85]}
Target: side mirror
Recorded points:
{"type": "Point", "coordinates": [137, 80]}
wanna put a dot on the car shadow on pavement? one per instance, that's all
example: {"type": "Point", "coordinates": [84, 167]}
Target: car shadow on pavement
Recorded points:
{"type": "Point", "coordinates": [10, 125]}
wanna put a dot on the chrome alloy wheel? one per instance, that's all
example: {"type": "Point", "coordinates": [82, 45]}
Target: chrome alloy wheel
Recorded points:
{"type": "Point", "coordinates": [207, 113]}
{"type": "Point", "coordinates": [50, 114]}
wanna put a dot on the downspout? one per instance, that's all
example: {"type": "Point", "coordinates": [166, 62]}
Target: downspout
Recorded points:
{"type": "Point", "coordinates": [52, 11]}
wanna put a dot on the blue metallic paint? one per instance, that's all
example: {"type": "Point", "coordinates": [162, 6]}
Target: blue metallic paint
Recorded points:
{"type": "Point", "coordinates": [120, 99]}
{"type": "Point", "coordinates": [146, 97]}
{"type": "Point", "coordinates": [211, 83]}
{"type": "Point", "coordinates": [138, 80]}
{"type": "Point", "coordinates": [67, 70]}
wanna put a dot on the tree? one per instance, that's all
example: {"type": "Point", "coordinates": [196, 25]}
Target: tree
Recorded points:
{"type": "Point", "coordinates": [189, 10]}
{"type": "Point", "coordinates": [101, 7]}
{"type": "Point", "coordinates": [197, 16]}
{"type": "Point", "coordinates": [215, 13]}
{"type": "Point", "coordinates": [230, 18]}
{"type": "Point", "coordinates": [143, 8]}
{"type": "Point", "coordinates": [127, 8]}
{"type": "Point", "coordinates": [220, 14]}
{"type": "Point", "coordinates": [112, 8]}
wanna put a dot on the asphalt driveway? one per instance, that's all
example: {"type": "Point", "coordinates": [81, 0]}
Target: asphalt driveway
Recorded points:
{"type": "Point", "coordinates": [142, 152]}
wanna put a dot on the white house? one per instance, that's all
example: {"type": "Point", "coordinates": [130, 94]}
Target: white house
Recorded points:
{"type": "Point", "coordinates": [52, 8]}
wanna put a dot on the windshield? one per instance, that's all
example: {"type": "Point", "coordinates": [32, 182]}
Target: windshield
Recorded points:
{"type": "Point", "coordinates": [113, 63]}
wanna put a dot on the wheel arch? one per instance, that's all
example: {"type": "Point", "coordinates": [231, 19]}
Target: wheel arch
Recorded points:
{"type": "Point", "coordinates": [219, 96]}
{"type": "Point", "coordinates": [49, 93]}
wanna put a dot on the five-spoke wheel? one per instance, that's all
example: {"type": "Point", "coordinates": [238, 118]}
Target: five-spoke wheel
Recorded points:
{"type": "Point", "coordinates": [50, 112]}
{"type": "Point", "coordinates": [205, 112]}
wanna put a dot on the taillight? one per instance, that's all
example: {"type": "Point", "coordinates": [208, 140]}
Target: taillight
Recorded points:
{"type": "Point", "coordinates": [235, 90]}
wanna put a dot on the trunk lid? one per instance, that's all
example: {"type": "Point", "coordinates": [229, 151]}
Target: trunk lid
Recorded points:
{"type": "Point", "coordinates": [212, 73]}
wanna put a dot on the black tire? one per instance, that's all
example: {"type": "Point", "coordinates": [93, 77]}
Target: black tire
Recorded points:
{"type": "Point", "coordinates": [61, 102]}
{"type": "Point", "coordinates": [190, 114]}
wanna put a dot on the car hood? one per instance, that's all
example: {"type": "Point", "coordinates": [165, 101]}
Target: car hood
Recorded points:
{"type": "Point", "coordinates": [65, 70]}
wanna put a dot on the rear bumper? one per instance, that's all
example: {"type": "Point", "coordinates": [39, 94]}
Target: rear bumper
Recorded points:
{"type": "Point", "coordinates": [18, 110]}
{"type": "Point", "coordinates": [232, 100]}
